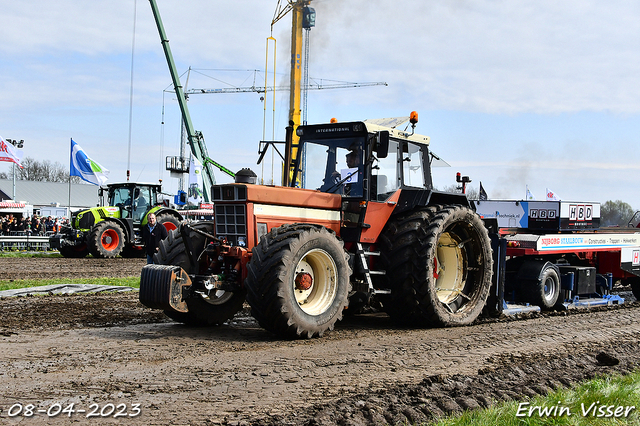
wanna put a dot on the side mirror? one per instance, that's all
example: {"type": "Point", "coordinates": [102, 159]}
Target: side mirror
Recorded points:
{"type": "Point", "coordinates": [383, 144]}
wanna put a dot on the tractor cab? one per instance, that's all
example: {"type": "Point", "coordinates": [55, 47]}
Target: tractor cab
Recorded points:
{"type": "Point", "coordinates": [378, 170]}
{"type": "Point", "coordinates": [362, 160]}
{"type": "Point", "coordinates": [133, 200]}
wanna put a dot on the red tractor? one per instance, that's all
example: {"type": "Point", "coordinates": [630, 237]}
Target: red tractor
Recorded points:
{"type": "Point", "coordinates": [363, 226]}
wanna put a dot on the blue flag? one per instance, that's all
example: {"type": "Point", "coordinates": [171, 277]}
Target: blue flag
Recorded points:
{"type": "Point", "coordinates": [85, 167]}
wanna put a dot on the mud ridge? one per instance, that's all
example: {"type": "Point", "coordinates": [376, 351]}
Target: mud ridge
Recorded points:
{"type": "Point", "coordinates": [511, 378]}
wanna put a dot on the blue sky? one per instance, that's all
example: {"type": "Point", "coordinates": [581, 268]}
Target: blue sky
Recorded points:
{"type": "Point", "coordinates": [513, 93]}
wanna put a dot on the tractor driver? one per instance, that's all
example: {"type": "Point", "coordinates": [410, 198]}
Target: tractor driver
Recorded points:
{"type": "Point", "coordinates": [351, 174]}
{"type": "Point", "coordinates": [140, 205]}
{"type": "Point", "coordinates": [353, 159]}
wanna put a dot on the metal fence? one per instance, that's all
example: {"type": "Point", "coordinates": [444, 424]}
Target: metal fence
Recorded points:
{"type": "Point", "coordinates": [22, 241]}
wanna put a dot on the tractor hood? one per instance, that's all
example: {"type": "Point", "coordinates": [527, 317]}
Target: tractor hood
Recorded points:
{"type": "Point", "coordinates": [85, 219]}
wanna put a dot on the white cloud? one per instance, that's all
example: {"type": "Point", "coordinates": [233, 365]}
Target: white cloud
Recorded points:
{"type": "Point", "coordinates": [66, 70]}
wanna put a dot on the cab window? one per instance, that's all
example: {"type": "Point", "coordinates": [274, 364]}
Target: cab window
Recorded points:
{"type": "Point", "coordinates": [412, 162]}
{"type": "Point", "coordinates": [384, 174]}
{"type": "Point", "coordinates": [334, 166]}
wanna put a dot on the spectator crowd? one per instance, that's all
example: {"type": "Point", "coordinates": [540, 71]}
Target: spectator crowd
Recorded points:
{"type": "Point", "coordinates": [34, 225]}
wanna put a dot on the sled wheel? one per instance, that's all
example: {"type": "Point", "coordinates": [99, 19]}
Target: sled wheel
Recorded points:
{"type": "Point", "coordinates": [214, 309]}
{"type": "Point", "coordinates": [545, 291]}
{"type": "Point", "coordinates": [106, 240]}
{"type": "Point", "coordinates": [298, 281]}
{"type": "Point", "coordinates": [439, 267]}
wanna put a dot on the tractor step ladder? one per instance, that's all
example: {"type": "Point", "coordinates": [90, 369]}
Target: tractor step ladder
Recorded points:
{"type": "Point", "coordinates": [362, 255]}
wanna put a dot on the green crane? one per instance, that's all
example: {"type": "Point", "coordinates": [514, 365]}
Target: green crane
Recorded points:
{"type": "Point", "coordinates": [196, 139]}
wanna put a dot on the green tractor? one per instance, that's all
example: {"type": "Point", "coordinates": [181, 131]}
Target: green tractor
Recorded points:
{"type": "Point", "coordinates": [115, 229]}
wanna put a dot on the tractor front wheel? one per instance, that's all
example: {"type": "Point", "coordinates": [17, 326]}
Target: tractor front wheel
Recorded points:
{"type": "Point", "coordinates": [106, 240]}
{"type": "Point", "coordinates": [298, 281]}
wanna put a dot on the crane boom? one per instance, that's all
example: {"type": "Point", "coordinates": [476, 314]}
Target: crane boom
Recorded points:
{"type": "Point", "coordinates": [196, 140]}
{"type": "Point", "coordinates": [262, 89]}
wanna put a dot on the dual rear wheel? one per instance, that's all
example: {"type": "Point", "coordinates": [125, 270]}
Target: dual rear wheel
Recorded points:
{"type": "Point", "coordinates": [438, 264]}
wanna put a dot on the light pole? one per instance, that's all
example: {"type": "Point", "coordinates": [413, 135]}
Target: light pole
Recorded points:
{"type": "Point", "coordinates": [18, 144]}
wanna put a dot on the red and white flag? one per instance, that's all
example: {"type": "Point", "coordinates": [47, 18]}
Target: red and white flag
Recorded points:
{"type": "Point", "coordinates": [552, 196]}
{"type": "Point", "coordinates": [9, 152]}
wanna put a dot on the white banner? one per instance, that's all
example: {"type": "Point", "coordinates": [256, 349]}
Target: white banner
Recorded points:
{"type": "Point", "coordinates": [9, 152]}
{"type": "Point", "coordinates": [195, 182]}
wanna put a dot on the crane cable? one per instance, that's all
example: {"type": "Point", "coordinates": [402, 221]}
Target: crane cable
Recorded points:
{"type": "Point", "coordinates": [133, 48]}
{"type": "Point", "coordinates": [273, 113]}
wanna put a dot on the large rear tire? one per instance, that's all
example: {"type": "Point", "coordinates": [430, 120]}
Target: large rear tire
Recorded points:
{"type": "Point", "coordinates": [169, 221]}
{"type": "Point", "coordinates": [132, 252]}
{"type": "Point", "coordinates": [438, 266]}
{"type": "Point", "coordinates": [298, 281]}
{"type": "Point", "coordinates": [74, 252]}
{"type": "Point", "coordinates": [204, 310]}
{"type": "Point", "coordinates": [106, 240]}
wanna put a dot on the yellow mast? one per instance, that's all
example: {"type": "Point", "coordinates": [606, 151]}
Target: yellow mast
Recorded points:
{"type": "Point", "coordinates": [296, 7]}
{"type": "Point", "coordinates": [295, 85]}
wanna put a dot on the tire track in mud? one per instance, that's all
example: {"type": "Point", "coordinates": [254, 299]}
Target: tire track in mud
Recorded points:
{"type": "Point", "coordinates": [365, 372]}
{"type": "Point", "coordinates": [40, 268]}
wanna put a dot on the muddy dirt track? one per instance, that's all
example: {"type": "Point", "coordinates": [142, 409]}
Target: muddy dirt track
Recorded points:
{"type": "Point", "coordinates": [96, 350]}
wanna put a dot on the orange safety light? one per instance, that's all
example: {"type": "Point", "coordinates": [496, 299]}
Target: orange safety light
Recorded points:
{"type": "Point", "coordinates": [413, 117]}
{"type": "Point", "coordinates": [333, 120]}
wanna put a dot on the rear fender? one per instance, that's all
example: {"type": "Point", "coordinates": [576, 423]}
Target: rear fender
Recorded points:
{"type": "Point", "coordinates": [410, 198]}
{"type": "Point", "coordinates": [161, 209]}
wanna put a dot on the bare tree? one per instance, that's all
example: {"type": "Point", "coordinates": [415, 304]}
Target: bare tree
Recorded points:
{"type": "Point", "coordinates": [615, 213]}
{"type": "Point", "coordinates": [44, 171]}
{"type": "Point", "coordinates": [471, 192]}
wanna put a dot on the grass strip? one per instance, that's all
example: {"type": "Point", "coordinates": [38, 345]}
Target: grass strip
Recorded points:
{"type": "Point", "coordinates": [28, 254]}
{"type": "Point", "coordinates": [15, 284]}
{"type": "Point", "coordinates": [607, 400]}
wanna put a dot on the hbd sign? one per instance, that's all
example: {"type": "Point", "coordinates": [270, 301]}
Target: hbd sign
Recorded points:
{"type": "Point", "coordinates": [581, 212]}
{"type": "Point", "coordinates": [542, 214]}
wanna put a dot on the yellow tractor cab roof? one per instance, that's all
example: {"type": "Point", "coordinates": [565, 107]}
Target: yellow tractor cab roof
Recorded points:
{"type": "Point", "coordinates": [390, 125]}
